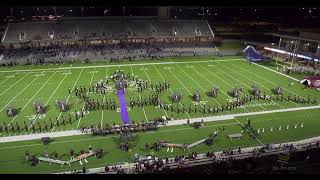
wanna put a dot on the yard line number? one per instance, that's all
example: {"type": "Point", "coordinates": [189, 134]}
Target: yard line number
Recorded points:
{"type": "Point", "coordinates": [119, 110]}
{"type": "Point", "coordinates": [167, 68]}
{"type": "Point", "coordinates": [199, 103]}
{"type": "Point", "coordinates": [143, 69]}
{"type": "Point", "coordinates": [37, 116]}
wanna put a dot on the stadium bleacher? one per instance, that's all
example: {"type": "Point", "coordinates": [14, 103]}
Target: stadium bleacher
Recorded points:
{"type": "Point", "coordinates": [95, 29]}
{"type": "Point", "coordinates": [74, 29]}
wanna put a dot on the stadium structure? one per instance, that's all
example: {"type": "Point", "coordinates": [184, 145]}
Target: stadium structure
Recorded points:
{"type": "Point", "coordinates": [161, 94]}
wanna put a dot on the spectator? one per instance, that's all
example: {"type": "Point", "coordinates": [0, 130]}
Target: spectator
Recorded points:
{"type": "Point", "coordinates": [27, 155]}
{"type": "Point", "coordinates": [106, 168]}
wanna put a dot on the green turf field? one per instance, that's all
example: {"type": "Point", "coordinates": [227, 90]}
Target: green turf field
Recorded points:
{"type": "Point", "coordinates": [21, 86]}
{"type": "Point", "coordinates": [22, 89]}
{"type": "Point", "coordinates": [12, 154]}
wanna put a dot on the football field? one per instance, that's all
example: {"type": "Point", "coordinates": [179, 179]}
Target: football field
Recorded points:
{"type": "Point", "coordinates": [21, 89]}
{"type": "Point", "coordinates": [22, 86]}
{"type": "Point", "coordinates": [13, 160]}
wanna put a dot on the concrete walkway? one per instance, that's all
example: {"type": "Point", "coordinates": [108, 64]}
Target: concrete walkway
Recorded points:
{"type": "Point", "coordinates": [39, 136]}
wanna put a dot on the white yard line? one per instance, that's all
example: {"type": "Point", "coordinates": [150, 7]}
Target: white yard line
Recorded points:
{"type": "Point", "coordinates": [223, 81]}
{"type": "Point", "coordinates": [214, 84]}
{"type": "Point", "coordinates": [251, 79]}
{"type": "Point", "coordinates": [249, 132]}
{"type": "Point", "coordinates": [33, 96]}
{"type": "Point", "coordinates": [273, 82]}
{"type": "Point", "coordinates": [210, 81]}
{"type": "Point", "coordinates": [276, 72]}
{"type": "Point", "coordinates": [117, 65]}
{"type": "Point", "coordinates": [14, 84]}
{"type": "Point", "coordinates": [150, 82]}
{"type": "Point", "coordinates": [74, 85]}
{"type": "Point", "coordinates": [104, 97]}
{"type": "Point", "coordinates": [51, 97]}
{"type": "Point", "coordinates": [183, 85]}
{"type": "Point", "coordinates": [144, 112]}
{"type": "Point", "coordinates": [180, 82]}
{"type": "Point", "coordinates": [5, 79]}
{"type": "Point", "coordinates": [244, 85]}
{"type": "Point", "coordinates": [93, 73]}
{"type": "Point", "coordinates": [19, 93]}
{"type": "Point", "coordinates": [169, 88]}
{"type": "Point", "coordinates": [196, 82]}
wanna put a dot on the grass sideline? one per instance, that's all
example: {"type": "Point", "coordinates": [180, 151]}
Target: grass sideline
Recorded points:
{"type": "Point", "coordinates": [12, 160]}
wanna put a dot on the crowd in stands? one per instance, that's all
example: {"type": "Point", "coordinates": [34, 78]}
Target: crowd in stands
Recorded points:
{"type": "Point", "coordinates": [57, 53]}
{"type": "Point", "coordinates": [299, 69]}
{"type": "Point", "coordinates": [83, 31]}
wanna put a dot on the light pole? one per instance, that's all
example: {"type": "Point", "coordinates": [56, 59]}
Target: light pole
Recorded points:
{"type": "Point", "coordinates": [292, 45]}
{"type": "Point", "coordinates": [318, 51]}
{"type": "Point", "coordinates": [278, 52]}
{"type": "Point", "coordinates": [307, 48]}
{"type": "Point", "coordinates": [317, 55]}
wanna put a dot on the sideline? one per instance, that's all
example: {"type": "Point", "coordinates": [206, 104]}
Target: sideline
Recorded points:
{"type": "Point", "coordinates": [276, 72]}
{"type": "Point", "coordinates": [170, 123]}
{"type": "Point", "coordinates": [121, 65]}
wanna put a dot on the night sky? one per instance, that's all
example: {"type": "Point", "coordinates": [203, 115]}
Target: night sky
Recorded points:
{"type": "Point", "coordinates": [294, 15]}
